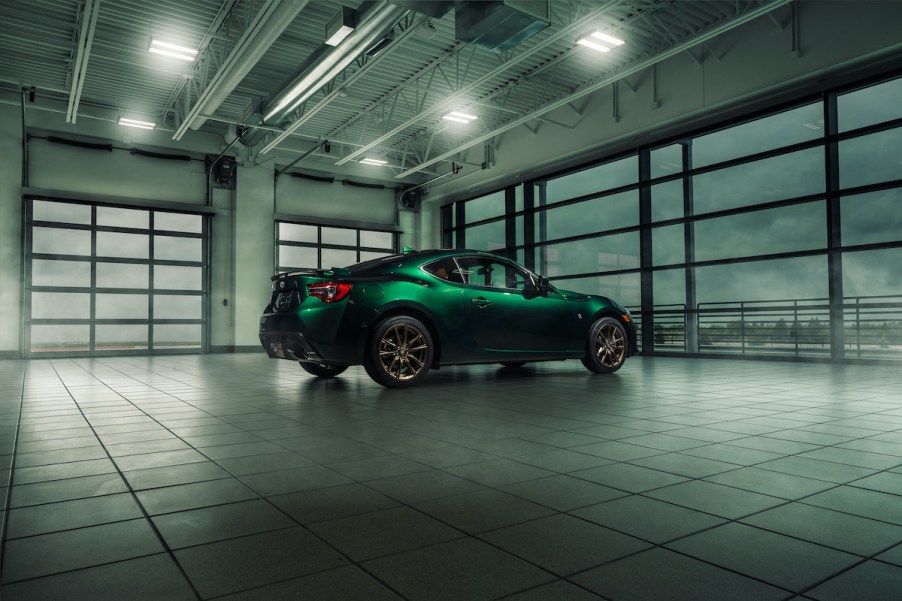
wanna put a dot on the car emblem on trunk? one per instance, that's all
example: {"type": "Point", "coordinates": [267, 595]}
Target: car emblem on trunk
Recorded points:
{"type": "Point", "coordinates": [282, 284]}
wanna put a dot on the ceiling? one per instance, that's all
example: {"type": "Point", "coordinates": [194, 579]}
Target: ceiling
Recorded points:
{"type": "Point", "coordinates": [91, 56]}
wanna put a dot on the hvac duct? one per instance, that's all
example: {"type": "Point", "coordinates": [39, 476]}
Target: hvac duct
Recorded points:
{"type": "Point", "coordinates": [500, 25]}
{"type": "Point", "coordinates": [373, 24]}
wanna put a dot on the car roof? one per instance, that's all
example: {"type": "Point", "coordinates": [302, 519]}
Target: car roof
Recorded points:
{"type": "Point", "coordinates": [418, 257]}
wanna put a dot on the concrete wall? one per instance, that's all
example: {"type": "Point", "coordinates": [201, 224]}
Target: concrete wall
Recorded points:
{"type": "Point", "coordinates": [749, 68]}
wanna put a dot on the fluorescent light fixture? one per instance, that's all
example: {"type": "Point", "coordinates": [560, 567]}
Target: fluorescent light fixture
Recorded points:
{"type": "Point", "coordinates": [136, 123]}
{"type": "Point", "coordinates": [369, 161]}
{"type": "Point", "coordinates": [459, 117]}
{"type": "Point", "coordinates": [172, 50]}
{"type": "Point", "coordinates": [599, 41]}
{"type": "Point", "coordinates": [340, 34]}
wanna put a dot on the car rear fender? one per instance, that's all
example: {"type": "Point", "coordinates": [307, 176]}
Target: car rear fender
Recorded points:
{"type": "Point", "coordinates": [418, 312]}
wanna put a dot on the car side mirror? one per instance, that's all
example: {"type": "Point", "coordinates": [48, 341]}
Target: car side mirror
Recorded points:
{"type": "Point", "coordinates": [531, 291]}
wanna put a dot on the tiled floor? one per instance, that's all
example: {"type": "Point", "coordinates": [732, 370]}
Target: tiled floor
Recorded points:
{"type": "Point", "coordinates": [239, 477]}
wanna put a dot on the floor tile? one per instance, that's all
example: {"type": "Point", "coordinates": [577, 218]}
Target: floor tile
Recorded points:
{"type": "Point", "coordinates": [857, 501]}
{"type": "Point", "coordinates": [618, 451]}
{"type": "Point", "coordinates": [874, 580]}
{"type": "Point", "coordinates": [211, 524]}
{"type": "Point", "coordinates": [779, 560]}
{"type": "Point", "coordinates": [268, 462]}
{"type": "Point", "coordinates": [66, 515]}
{"type": "Point", "coordinates": [484, 510]}
{"type": "Point", "coordinates": [448, 457]}
{"type": "Point", "coordinates": [563, 544]}
{"type": "Point", "coordinates": [348, 583]}
{"type": "Point", "coordinates": [648, 519]}
{"type": "Point", "coordinates": [732, 454]}
{"type": "Point", "coordinates": [75, 469]}
{"type": "Point", "coordinates": [830, 528]}
{"type": "Point", "coordinates": [875, 461]}
{"type": "Point", "coordinates": [766, 482]}
{"type": "Point", "coordinates": [192, 496]}
{"type": "Point", "coordinates": [66, 490]}
{"type": "Point", "coordinates": [423, 486]}
{"type": "Point", "coordinates": [330, 503]}
{"type": "Point", "coordinates": [563, 493]}
{"type": "Point", "coordinates": [556, 591]}
{"type": "Point", "coordinates": [286, 481]}
{"type": "Point", "coordinates": [723, 501]}
{"type": "Point", "coordinates": [379, 533]}
{"type": "Point", "coordinates": [459, 570]}
{"type": "Point", "coordinates": [377, 467]}
{"type": "Point", "coordinates": [148, 460]}
{"type": "Point", "coordinates": [630, 478]}
{"type": "Point", "coordinates": [563, 460]}
{"type": "Point", "coordinates": [660, 574]}
{"type": "Point", "coordinates": [888, 482]}
{"type": "Point", "coordinates": [817, 469]}
{"type": "Point", "coordinates": [238, 564]}
{"type": "Point", "coordinates": [157, 477]}
{"type": "Point", "coordinates": [145, 579]}
{"type": "Point", "coordinates": [685, 465]}
{"type": "Point", "coordinates": [74, 549]}
{"type": "Point", "coordinates": [498, 472]}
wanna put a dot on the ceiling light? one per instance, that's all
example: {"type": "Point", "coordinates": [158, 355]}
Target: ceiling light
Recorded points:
{"type": "Point", "coordinates": [136, 123]}
{"type": "Point", "coordinates": [340, 26]}
{"type": "Point", "coordinates": [459, 117]}
{"type": "Point", "coordinates": [369, 161]}
{"type": "Point", "coordinates": [599, 41]}
{"type": "Point", "coordinates": [172, 50]}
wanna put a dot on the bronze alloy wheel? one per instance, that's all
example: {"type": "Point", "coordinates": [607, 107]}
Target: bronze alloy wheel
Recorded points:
{"type": "Point", "coordinates": [606, 349]}
{"type": "Point", "coordinates": [401, 352]}
{"type": "Point", "coordinates": [610, 347]}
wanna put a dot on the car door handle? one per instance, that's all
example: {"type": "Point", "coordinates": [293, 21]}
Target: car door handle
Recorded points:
{"type": "Point", "coordinates": [481, 302]}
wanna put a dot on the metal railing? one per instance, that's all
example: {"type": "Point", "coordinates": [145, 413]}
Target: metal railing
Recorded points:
{"type": "Point", "coordinates": [801, 327]}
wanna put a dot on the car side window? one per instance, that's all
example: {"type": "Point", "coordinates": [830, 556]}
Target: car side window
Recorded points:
{"type": "Point", "coordinates": [445, 269]}
{"type": "Point", "coordinates": [493, 273]}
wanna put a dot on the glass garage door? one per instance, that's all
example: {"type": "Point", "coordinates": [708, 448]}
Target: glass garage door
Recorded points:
{"type": "Point", "coordinates": [113, 280]}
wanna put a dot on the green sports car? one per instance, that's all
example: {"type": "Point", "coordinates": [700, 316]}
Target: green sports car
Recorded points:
{"type": "Point", "coordinates": [401, 315]}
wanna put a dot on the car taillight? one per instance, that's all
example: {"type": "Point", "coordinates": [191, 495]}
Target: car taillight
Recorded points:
{"type": "Point", "coordinates": [329, 292]}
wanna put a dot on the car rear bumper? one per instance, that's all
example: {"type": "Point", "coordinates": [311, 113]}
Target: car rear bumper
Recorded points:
{"type": "Point", "coordinates": [290, 345]}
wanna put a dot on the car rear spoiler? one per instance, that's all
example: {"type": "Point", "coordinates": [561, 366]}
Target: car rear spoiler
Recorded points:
{"type": "Point", "coordinates": [337, 271]}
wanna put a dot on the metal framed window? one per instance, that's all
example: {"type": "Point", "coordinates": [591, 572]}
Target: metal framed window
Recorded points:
{"type": "Point", "coordinates": [303, 245]}
{"type": "Point", "coordinates": [778, 234]}
{"type": "Point", "coordinates": [105, 279]}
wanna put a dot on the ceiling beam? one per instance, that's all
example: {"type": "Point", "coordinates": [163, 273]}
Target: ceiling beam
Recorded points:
{"type": "Point", "coordinates": [336, 91]}
{"type": "Point", "coordinates": [701, 38]}
{"type": "Point", "coordinates": [271, 20]}
{"type": "Point", "coordinates": [504, 66]}
{"type": "Point", "coordinates": [88, 21]}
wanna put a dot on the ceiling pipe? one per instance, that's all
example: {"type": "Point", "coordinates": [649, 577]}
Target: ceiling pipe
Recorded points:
{"type": "Point", "coordinates": [325, 65]}
{"type": "Point", "coordinates": [271, 21]}
{"type": "Point", "coordinates": [90, 11]}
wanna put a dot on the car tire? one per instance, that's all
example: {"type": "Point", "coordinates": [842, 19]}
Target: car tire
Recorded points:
{"type": "Point", "coordinates": [513, 363]}
{"type": "Point", "coordinates": [400, 352]}
{"type": "Point", "coordinates": [323, 371]}
{"type": "Point", "coordinates": [606, 347]}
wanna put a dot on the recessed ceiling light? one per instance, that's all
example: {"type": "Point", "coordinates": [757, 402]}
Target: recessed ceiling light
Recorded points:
{"type": "Point", "coordinates": [459, 117]}
{"type": "Point", "coordinates": [135, 123]}
{"type": "Point", "coordinates": [600, 41]}
{"type": "Point", "coordinates": [173, 50]}
{"type": "Point", "coordinates": [369, 161]}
